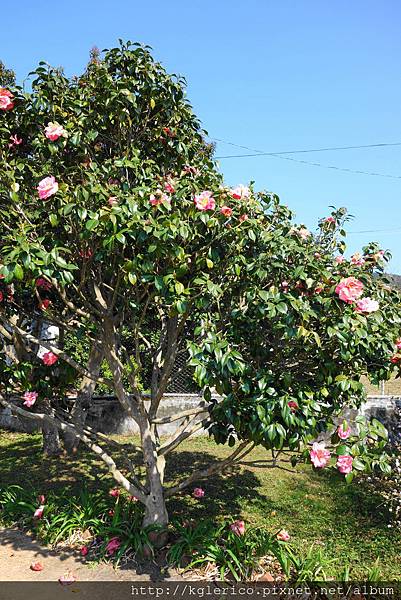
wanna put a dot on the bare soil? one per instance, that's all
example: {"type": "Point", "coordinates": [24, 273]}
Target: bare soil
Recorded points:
{"type": "Point", "coordinates": [19, 550]}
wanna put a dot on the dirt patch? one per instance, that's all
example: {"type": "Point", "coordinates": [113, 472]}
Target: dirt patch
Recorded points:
{"type": "Point", "coordinates": [19, 550]}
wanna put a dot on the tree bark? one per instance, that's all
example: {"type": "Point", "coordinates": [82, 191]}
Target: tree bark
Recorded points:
{"type": "Point", "coordinates": [87, 388]}
{"type": "Point", "coordinates": [50, 434]}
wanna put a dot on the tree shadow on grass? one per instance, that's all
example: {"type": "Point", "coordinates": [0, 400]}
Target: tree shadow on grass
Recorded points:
{"type": "Point", "coordinates": [225, 493]}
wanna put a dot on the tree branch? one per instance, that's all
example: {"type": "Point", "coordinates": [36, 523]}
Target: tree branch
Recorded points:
{"type": "Point", "coordinates": [204, 473]}
{"type": "Point", "coordinates": [106, 458]}
{"type": "Point", "coordinates": [34, 340]}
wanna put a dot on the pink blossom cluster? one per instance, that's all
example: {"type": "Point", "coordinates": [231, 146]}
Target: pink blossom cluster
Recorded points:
{"type": "Point", "coordinates": [53, 131]}
{"type": "Point", "coordinates": [30, 398]}
{"type": "Point", "coordinates": [47, 187]}
{"type": "Point", "coordinates": [240, 192]}
{"type": "Point", "coordinates": [350, 290]}
{"type": "Point", "coordinates": [205, 201]}
{"type": "Point", "coordinates": [113, 545]}
{"type": "Point", "coordinates": [320, 456]}
{"type": "Point", "coordinates": [238, 527]}
{"type": "Point", "coordinates": [158, 198]}
{"type": "Point", "coordinates": [6, 99]}
{"type": "Point", "coordinates": [198, 493]}
{"type": "Point", "coordinates": [49, 358]}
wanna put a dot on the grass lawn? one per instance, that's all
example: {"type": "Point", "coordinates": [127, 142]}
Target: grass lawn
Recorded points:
{"type": "Point", "coordinates": [315, 507]}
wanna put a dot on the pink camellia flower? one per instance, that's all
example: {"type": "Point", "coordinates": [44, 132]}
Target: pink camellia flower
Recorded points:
{"type": "Point", "coordinates": [6, 99]}
{"type": "Point", "coordinates": [14, 141]}
{"type": "Point", "coordinates": [226, 211]}
{"type": "Point", "coordinates": [36, 566]}
{"type": "Point", "coordinates": [43, 283]}
{"type": "Point", "coordinates": [343, 432]}
{"type": "Point", "coordinates": [53, 131]}
{"type": "Point", "coordinates": [84, 551]}
{"type": "Point", "coordinates": [238, 527]}
{"type": "Point", "coordinates": [283, 535]}
{"type": "Point", "coordinates": [42, 499]}
{"type": "Point", "coordinates": [47, 187]}
{"type": "Point", "coordinates": [329, 220]}
{"type": "Point", "coordinates": [284, 285]}
{"type": "Point", "coordinates": [395, 359]}
{"type": "Point", "coordinates": [158, 197]}
{"type": "Point", "coordinates": [319, 455]}
{"type": "Point", "coordinates": [67, 578]}
{"type": "Point", "coordinates": [110, 512]}
{"type": "Point", "coordinates": [366, 305]}
{"type": "Point", "coordinates": [398, 343]}
{"type": "Point", "coordinates": [38, 514]}
{"type": "Point", "coordinates": [205, 201]}
{"type": "Point", "coordinates": [44, 304]}
{"type": "Point", "coordinates": [339, 259]}
{"type": "Point", "coordinates": [30, 399]}
{"type": "Point", "coordinates": [115, 492]}
{"type": "Point", "coordinates": [349, 289]}
{"type": "Point", "coordinates": [357, 259]}
{"type": "Point", "coordinates": [49, 358]}
{"type": "Point", "coordinates": [240, 192]}
{"type": "Point", "coordinates": [293, 405]}
{"type": "Point", "coordinates": [304, 233]}
{"type": "Point", "coordinates": [198, 492]}
{"type": "Point", "coordinates": [113, 200]}
{"type": "Point", "coordinates": [113, 545]}
{"type": "Point", "coordinates": [243, 218]}
{"type": "Point", "coordinates": [344, 463]}
{"type": "Point", "coordinates": [169, 185]}
{"type": "Point", "coordinates": [132, 499]}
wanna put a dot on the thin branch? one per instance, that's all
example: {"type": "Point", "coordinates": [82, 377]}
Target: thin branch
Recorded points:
{"type": "Point", "coordinates": [59, 353]}
{"type": "Point", "coordinates": [106, 458]}
{"type": "Point", "coordinates": [202, 408]}
{"type": "Point", "coordinates": [176, 441]}
{"type": "Point", "coordinates": [204, 473]}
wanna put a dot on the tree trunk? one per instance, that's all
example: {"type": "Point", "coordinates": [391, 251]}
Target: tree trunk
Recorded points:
{"type": "Point", "coordinates": [51, 439]}
{"type": "Point", "coordinates": [155, 507]}
{"type": "Point", "coordinates": [80, 409]}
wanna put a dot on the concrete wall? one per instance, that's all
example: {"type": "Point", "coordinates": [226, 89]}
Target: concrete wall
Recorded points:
{"type": "Point", "coordinates": [107, 416]}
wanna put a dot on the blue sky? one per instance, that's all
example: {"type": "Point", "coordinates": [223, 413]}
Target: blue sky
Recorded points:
{"type": "Point", "coordinates": [271, 75]}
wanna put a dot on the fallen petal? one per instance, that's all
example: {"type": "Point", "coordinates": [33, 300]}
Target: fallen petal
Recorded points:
{"type": "Point", "coordinates": [67, 578]}
{"type": "Point", "coordinates": [37, 566]}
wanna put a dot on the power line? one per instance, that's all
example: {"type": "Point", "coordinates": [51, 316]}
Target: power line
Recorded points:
{"type": "Point", "coordinates": [310, 163]}
{"type": "Point", "coordinates": [375, 231]}
{"type": "Point", "coordinates": [263, 153]}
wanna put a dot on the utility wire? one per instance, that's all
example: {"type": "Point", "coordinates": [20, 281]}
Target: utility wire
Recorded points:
{"type": "Point", "coordinates": [310, 163]}
{"type": "Point", "coordinates": [376, 231]}
{"type": "Point", "coordinates": [263, 153]}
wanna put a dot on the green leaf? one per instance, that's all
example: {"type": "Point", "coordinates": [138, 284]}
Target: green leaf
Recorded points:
{"type": "Point", "coordinates": [18, 272]}
{"type": "Point", "coordinates": [132, 278]}
{"type": "Point", "coordinates": [91, 224]}
{"type": "Point", "coordinates": [261, 412]}
{"type": "Point", "coordinates": [349, 477]}
{"type": "Point", "coordinates": [179, 288]}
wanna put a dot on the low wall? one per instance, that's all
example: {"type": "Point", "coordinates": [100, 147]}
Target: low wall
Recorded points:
{"type": "Point", "coordinates": [106, 414]}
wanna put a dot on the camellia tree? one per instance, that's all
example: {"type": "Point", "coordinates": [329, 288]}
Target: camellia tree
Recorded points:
{"type": "Point", "coordinates": [117, 229]}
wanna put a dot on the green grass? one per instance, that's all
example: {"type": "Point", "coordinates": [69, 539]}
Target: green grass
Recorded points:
{"type": "Point", "coordinates": [316, 508]}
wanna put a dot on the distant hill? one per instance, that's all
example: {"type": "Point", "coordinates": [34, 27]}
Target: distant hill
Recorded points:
{"type": "Point", "coordinates": [395, 280]}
